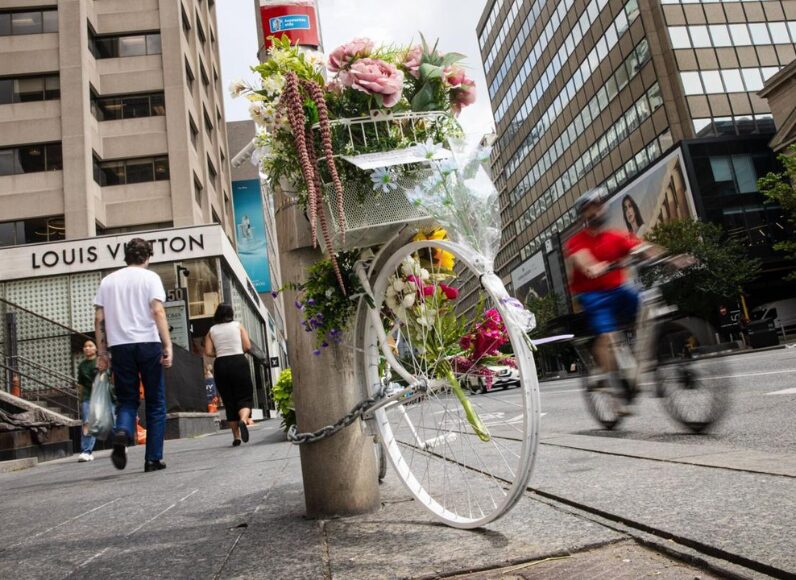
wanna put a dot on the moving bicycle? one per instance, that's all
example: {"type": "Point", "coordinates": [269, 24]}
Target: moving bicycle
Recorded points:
{"type": "Point", "coordinates": [624, 328]}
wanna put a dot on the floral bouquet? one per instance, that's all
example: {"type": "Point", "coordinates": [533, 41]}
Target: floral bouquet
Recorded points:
{"type": "Point", "coordinates": [378, 98]}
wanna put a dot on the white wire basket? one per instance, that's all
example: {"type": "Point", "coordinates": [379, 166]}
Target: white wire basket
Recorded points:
{"type": "Point", "coordinates": [378, 140]}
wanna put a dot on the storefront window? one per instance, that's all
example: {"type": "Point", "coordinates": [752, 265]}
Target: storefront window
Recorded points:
{"type": "Point", "coordinates": [204, 287]}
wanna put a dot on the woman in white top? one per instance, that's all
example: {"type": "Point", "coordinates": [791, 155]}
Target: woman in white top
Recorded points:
{"type": "Point", "coordinates": [227, 340]}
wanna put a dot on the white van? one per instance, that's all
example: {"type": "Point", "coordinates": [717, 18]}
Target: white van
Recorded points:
{"type": "Point", "coordinates": [782, 312]}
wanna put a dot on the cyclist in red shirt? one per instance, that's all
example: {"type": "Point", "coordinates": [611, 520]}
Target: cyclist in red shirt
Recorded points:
{"type": "Point", "coordinates": [609, 302]}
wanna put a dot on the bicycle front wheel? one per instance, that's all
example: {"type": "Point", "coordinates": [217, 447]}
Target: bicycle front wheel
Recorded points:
{"type": "Point", "coordinates": [465, 458]}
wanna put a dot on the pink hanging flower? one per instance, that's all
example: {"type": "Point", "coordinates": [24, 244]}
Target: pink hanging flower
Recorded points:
{"type": "Point", "coordinates": [335, 86]}
{"type": "Point", "coordinates": [412, 60]}
{"type": "Point", "coordinates": [453, 76]}
{"type": "Point", "coordinates": [461, 86]}
{"type": "Point", "coordinates": [376, 77]}
{"type": "Point", "coordinates": [342, 56]}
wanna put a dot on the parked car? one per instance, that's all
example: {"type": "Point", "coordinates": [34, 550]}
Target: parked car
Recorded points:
{"type": "Point", "coordinates": [782, 312]}
{"type": "Point", "coordinates": [503, 378]}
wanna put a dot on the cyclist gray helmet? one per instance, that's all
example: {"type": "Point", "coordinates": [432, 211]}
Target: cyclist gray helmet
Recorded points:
{"type": "Point", "coordinates": [593, 196]}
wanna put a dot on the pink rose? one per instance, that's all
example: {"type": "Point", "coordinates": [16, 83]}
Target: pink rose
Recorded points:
{"type": "Point", "coordinates": [376, 77]}
{"type": "Point", "coordinates": [412, 60]}
{"type": "Point", "coordinates": [342, 56]}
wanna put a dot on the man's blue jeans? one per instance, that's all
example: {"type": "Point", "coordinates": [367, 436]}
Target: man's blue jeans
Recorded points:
{"type": "Point", "coordinates": [86, 441]}
{"type": "Point", "coordinates": [131, 361]}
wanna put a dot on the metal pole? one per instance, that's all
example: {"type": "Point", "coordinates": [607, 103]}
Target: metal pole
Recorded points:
{"type": "Point", "coordinates": [12, 349]}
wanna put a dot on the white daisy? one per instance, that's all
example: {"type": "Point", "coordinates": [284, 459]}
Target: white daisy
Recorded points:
{"type": "Point", "coordinates": [384, 180]}
{"type": "Point", "coordinates": [429, 149]}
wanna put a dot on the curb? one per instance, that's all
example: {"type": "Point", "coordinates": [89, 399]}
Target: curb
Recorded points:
{"type": "Point", "coordinates": [18, 464]}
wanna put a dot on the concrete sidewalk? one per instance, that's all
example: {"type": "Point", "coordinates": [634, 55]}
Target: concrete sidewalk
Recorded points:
{"type": "Point", "coordinates": [223, 512]}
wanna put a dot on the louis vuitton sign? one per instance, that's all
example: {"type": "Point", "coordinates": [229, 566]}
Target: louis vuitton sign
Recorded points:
{"type": "Point", "coordinates": [107, 252]}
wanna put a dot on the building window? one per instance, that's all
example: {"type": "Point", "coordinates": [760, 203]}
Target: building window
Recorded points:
{"type": "Point", "coordinates": [729, 80]}
{"type": "Point", "coordinates": [745, 34]}
{"type": "Point", "coordinates": [124, 46]}
{"type": "Point", "coordinates": [186, 23]}
{"type": "Point", "coordinates": [28, 22]}
{"type": "Point", "coordinates": [212, 173]}
{"type": "Point", "coordinates": [28, 89]}
{"type": "Point", "coordinates": [194, 131]}
{"type": "Point", "coordinates": [200, 31]}
{"type": "Point", "coordinates": [32, 231]}
{"type": "Point", "coordinates": [189, 76]}
{"type": "Point", "coordinates": [127, 171]}
{"type": "Point", "coordinates": [128, 106]}
{"type": "Point", "coordinates": [208, 123]}
{"type": "Point", "coordinates": [203, 75]}
{"type": "Point", "coordinates": [197, 190]}
{"type": "Point", "coordinates": [31, 159]}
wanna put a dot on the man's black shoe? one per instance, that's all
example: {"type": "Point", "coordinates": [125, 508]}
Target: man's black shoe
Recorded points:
{"type": "Point", "coordinates": [244, 431]}
{"type": "Point", "coordinates": [154, 465]}
{"type": "Point", "coordinates": [119, 454]}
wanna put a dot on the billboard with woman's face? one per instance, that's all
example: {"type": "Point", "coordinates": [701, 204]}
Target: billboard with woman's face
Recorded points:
{"type": "Point", "coordinates": [660, 194]}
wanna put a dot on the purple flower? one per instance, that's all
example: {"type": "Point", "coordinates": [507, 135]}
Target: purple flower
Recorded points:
{"type": "Point", "coordinates": [316, 352]}
{"type": "Point", "coordinates": [298, 304]}
{"type": "Point", "coordinates": [324, 344]}
{"type": "Point", "coordinates": [274, 294]}
{"type": "Point", "coordinates": [334, 332]}
{"type": "Point", "coordinates": [311, 302]}
{"type": "Point", "coordinates": [319, 316]}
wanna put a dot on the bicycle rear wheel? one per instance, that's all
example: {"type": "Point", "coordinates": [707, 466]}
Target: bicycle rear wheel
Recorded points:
{"type": "Point", "coordinates": [467, 459]}
{"type": "Point", "coordinates": [695, 393]}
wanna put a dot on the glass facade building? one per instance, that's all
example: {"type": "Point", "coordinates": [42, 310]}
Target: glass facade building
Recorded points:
{"type": "Point", "coordinates": [589, 93]}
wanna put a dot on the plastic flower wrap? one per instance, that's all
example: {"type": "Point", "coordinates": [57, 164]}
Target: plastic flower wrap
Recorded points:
{"type": "Point", "coordinates": [460, 195]}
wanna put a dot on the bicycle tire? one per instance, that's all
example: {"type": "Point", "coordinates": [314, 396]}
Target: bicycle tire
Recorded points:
{"type": "Point", "coordinates": [602, 403]}
{"type": "Point", "coordinates": [381, 460]}
{"type": "Point", "coordinates": [696, 393]}
{"type": "Point", "coordinates": [463, 481]}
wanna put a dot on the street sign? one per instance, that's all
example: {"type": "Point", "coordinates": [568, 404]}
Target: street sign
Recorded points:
{"type": "Point", "coordinates": [177, 317]}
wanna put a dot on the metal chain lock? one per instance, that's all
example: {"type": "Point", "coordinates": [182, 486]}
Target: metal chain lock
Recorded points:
{"type": "Point", "coordinates": [355, 413]}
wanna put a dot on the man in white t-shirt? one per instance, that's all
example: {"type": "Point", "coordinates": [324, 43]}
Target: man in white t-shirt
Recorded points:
{"type": "Point", "coordinates": [133, 333]}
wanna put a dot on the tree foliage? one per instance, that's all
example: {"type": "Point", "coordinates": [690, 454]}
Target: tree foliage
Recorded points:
{"type": "Point", "coordinates": [780, 188]}
{"type": "Point", "coordinates": [545, 308]}
{"type": "Point", "coordinates": [722, 269]}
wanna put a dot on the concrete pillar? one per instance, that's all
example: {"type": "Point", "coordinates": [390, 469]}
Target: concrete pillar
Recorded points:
{"type": "Point", "coordinates": [79, 210]}
{"type": "Point", "coordinates": [340, 472]}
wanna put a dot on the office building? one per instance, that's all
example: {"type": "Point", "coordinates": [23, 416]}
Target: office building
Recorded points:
{"type": "Point", "coordinates": [591, 92]}
{"type": "Point", "coordinates": [111, 119]}
{"type": "Point", "coordinates": [112, 126]}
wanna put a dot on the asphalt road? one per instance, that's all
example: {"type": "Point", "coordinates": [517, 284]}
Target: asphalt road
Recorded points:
{"type": "Point", "coordinates": [731, 491]}
{"type": "Point", "coordinates": [761, 416]}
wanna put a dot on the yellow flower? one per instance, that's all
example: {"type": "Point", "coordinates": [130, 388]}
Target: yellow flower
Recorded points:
{"type": "Point", "coordinates": [442, 259]}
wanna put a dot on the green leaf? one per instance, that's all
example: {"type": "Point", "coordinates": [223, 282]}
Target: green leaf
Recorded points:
{"type": "Point", "coordinates": [424, 99]}
{"type": "Point", "coordinates": [430, 71]}
{"type": "Point", "coordinates": [452, 57]}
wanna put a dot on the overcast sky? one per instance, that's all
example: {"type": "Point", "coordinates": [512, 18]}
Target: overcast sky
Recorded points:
{"type": "Point", "coordinates": [385, 21]}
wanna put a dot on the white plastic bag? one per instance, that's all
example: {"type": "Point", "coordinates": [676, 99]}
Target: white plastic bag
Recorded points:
{"type": "Point", "coordinates": [100, 416]}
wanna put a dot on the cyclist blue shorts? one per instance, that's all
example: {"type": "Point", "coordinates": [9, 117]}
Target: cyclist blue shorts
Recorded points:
{"type": "Point", "coordinates": [610, 310]}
